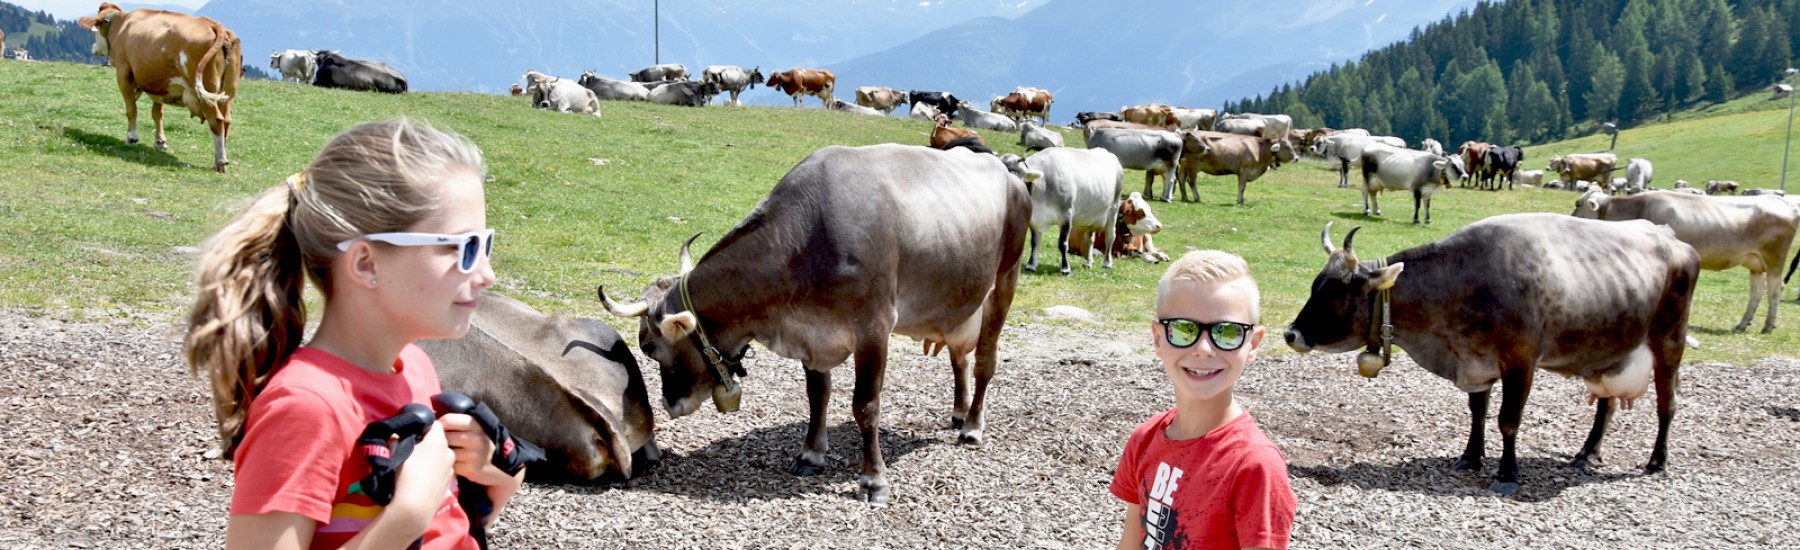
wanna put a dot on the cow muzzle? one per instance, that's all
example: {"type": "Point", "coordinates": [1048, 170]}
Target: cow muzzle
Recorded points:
{"type": "Point", "coordinates": [1296, 341]}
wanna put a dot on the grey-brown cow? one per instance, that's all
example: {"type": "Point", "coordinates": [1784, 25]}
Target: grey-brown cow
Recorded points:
{"type": "Point", "coordinates": [1219, 154]}
{"type": "Point", "coordinates": [1754, 232]}
{"type": "Point", "coordinates": [1606, 302]}
{"type": "Point", "coordinates": [570, 386]}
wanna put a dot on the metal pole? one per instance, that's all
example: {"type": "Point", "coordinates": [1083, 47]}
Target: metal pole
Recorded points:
{"type": "Point", "coordinates": [1790, 138]}
{"type": "Point", "coordinates": [656, 21]}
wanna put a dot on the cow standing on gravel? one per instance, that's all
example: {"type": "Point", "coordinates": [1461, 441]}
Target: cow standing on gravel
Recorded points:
{"type": "Point", "coordinates": [852, 245]}
{"type": "Point", "coordinates": [1606, 302]}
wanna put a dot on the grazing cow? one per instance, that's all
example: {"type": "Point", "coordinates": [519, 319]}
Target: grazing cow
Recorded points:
{"type": "Point", "coordinates": [840, 105]}
{"type": "Point", "coordinates": [1153, 151]}
{"type": "Point", "coordinates": [1721, 187]}
{"type": "Point", "coordinates": [1131, 235]}
{"type": "Point", "coordinates": [1343, 151]}
{"type": "Point", "coordinates": [1077, 191]}
{"type": "Point", "coordinates": [732, 79]}
{"type": "Point", "coordinates": [1307, 139]}
{"type": "Point", "coordinates": [1474, 154]}
{"type": "Point", "coordinates": [1194, 119]}
{"type": "Point", "coordinates": [1024, 102]}
{"type": "Point", "coordinates": [976, 118]}
{"type": "Point", "coordinates": [945, 137]}
{"type": "Point", "coordinates": [1218, 154]}
{"type": "Point", "coordinates": [1385, 167]}
{"type": "Point", "coordinates": [179, 60]}
{"type": "Point", "coordinates": [1604, 302]}
{"type": "Point", "coordinates": [1084, 117]}
{"type": "Point", "coordinates": [1638, 175]}
{"type": "Point", "coordinates": [944, 102]}
{"type": "Point", "coordinates": [570, 386]}
{"type": "Point", "coordinates": [798, 82]}
{"type": "Point", "coordinates": [1087, 130]}
{"type": "Point", "coordinates": [880, 99]}
{"type": "Point", "coordinates": [1594, 167]}
{"type": "Point", "coordinates": [1273, 127]}
{"type": "Point", "coordinates": [1534, 178]}
{"type": "Point", "coordinates": [614, 90]}
{"type": "Point", "coordinates": [688, 93]}
{"type": "Point", "coordinates": [921, 111]}
{"type": "Point", "coordinates": [516, 90]}
{"type": "Point", "coordinates": [1035, 138]}
{"type": "Point", "coordinates": [337, 71]}
{"type": "Point", "coordinates": [297, 65]}
{"type": "Point", "coordinates": [655, 73]}
{"type": "Point", "coordinates": [895, 240]}
{"type": "Point", "coordinates": [1431, 146]}
{"type": "Point", "coordinates": [1500, 161]}
{"type": "Point", "coordinates": [1754, 232]}
{"type": "Point", "coordinates": [560, 95]}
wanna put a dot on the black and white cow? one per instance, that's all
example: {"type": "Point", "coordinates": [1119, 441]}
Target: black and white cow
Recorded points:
{"type": "Point", "coordinates": [852, 245]}
{"type": "Point", "coordinates": [337, 71]}
{"type": "Point", "coordinates": [1386, 168]}
{"type": "Point", "coordinates": [944, 102]}
{"type": "Point", "coordinates": [732, 79]}
{"type": "Point", "coordinates": [614, 90]}
{"type": "Point", "coordinates": [1606, 302]}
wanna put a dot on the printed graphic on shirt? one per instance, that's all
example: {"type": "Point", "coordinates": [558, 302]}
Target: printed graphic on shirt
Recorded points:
{"type": "Point", "coordinates": [1160, 526]}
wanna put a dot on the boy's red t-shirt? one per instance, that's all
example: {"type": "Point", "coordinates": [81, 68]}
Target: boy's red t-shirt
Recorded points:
{"type": "Point", "coordinates": [299, 451]}
{"type": "Point", "coordinates": [1226, 489]}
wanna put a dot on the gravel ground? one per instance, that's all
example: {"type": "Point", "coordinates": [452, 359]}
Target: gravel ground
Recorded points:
{"type": "Point", "coordinates": [107, 441]}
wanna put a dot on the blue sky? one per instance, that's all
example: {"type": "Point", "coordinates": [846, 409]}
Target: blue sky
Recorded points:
{"type": "Point", "coordinates": [72, 9]}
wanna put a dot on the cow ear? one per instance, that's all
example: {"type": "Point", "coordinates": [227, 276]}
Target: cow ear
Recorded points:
{"type": "Point", "coordinates": [1383, 279]}
{"type": "Point", "coordinates": [1031, 175]}
{"type": "Point", "coordinates": [677, 326]}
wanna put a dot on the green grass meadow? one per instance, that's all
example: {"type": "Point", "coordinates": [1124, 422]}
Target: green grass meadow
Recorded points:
{"type": "Point", "coordinates": [91, 225]}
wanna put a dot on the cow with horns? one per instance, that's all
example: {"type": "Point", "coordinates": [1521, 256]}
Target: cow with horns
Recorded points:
{"type": "Point", "coordinates": [1606, 302]}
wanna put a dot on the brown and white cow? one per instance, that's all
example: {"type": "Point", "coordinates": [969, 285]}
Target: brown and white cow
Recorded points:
{"type": "Point", "coordinates": [1474, 154]}
{"type": "Point", "coordinates": [1132, 234]}
{"type": "Point", "coordinates": [1159, 116]}
{"type": "Point", "coordinates": [894, 239]}
{"type": "Point", "coordinates": [1024, 102]}
{"type": "Point", "coordinates": [178, 59]}
{"type": "Point", "coordinates": [880, 98]}
{"type": "Point", "coordinates": [798, 82]}
{"type": "Point", "coordinates": [1219, 154]}
{"type": "Point", "coordinates": [1606, 302]}
{"type": "Point", "coordinates": [944, 136]}
{"type": "Point", "coordinates": [1754, 232]}
{"type": "Point", "coordinates": [1595, 167]}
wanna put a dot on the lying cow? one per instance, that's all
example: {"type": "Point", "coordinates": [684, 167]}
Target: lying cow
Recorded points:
{"type": "Point", "coordinates": [1034, 138]}
{"type": "Point", "coordinates": [178, 59]}
{"type": "Point", "coordinates": [1220, 154]}
{"type": "Point", "coordinates": [684, 93]}
{"type": "Point", "coordinates": [570, 386]}
{"type": "Point", "coordinates": [731, 79]}
{"type": "Point", "coordinates": [841, 105]}
{"type": "Point", "coordinates": [1721, 187]}
{"type": "Point", "coordinates": [902, 240]}
{"type": "Point", "coordinates": [1431, 146]}
{"type": "Point", "coordinates": [516, 90]}
{"type": "Point", "coordinates": [297, 65]}
{"type": "Point", "coordinates": [945, 137]}
{"type": "Point", "coordinates": [337, 71]}
{"type": "Point", "coordinates": [657, 73]}
{"type": "Point", "coordinates": [613, 90]}
{"type": "Point", "coordinates": [1156, 152]}
{"type": "Point", "coordinates": [985, 120]}
{"type": "Point", "coordinates": [560, 95]}
{"type": "Point", "coordinates": [1606, 302]}
{"type": "Point", "coordinates": [1393, 168]}
{"type": "Point", "coordinates": [880, 99]}
{"type": "Point", "coordinates": [925, 112]}
{"type": "Point", "coordinates": [944, 102]}
{"type": "Point", "coordinates": [1533, 178]}
{"type": "Point", "coordinates": [1131, 236]}
{"type": "Point", "coordinates": [798, 82]}
{"type": "Point", "coordinates": [1075, 190]}
{"type": "Point", "coordinates": [1754, 232]}
{"type": "Point", "coordinates": [1084, 117]}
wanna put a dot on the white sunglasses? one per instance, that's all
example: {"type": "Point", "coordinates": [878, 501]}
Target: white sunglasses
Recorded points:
{"type": "Point", "coordinates": [473, 245]}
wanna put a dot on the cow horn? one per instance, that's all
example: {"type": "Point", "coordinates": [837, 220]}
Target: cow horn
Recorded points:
{"type": "Point", "coordinates": [1325, 239]}
{"type": "Point", "coordinates": [634, 309]}
{"type": "Point", "coordinates": [1350, 251]}
{"type": "Point", "coordinates": [687, 260]}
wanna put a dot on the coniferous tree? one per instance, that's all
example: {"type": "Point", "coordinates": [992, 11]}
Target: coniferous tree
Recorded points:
{"type": "Point", "coordinates": [1607, 81]}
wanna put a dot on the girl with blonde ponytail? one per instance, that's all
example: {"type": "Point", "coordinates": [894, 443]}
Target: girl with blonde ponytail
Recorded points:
{"type": "Point", "coordinates": [389, 221]}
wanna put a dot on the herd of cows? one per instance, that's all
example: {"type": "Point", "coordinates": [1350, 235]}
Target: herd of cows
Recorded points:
{"type": "Point", "coordinates": [883, 249]}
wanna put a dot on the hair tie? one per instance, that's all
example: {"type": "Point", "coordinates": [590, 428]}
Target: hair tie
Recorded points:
{"type": "Point", "coordinates": [296, 182]}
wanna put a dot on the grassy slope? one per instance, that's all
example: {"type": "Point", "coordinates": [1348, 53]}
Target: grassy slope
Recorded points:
{"type": "Point", "coordinates": [92, 224]}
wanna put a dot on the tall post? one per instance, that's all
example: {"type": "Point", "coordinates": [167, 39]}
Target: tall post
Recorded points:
{"type": "Point", "coordinates": [1790, 132]}
{"type": "Point", "coordinates": [656, 21]}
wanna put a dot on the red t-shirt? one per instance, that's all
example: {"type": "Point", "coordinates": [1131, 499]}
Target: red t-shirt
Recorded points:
{"type": "Point", "coordinates": [1226, 489]}
{"type": "Point", "coordinates": [299, 450]}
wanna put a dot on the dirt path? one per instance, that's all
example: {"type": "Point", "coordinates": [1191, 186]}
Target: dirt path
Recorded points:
{"type": "Point", "coordinates": [106, 437]}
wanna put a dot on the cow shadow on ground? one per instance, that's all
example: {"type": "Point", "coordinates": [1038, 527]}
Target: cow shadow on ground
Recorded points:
{"type": "Point", "coordinates": [754, 466]}
{"type": "Point", "coordinates": [1789, 414]}
{"type": "Point", "coordinates": [1540, 479]}
{"type": "Point", "coordinates": [142, 153]}
{"type": "Point", "coordinates": [1358, 217]}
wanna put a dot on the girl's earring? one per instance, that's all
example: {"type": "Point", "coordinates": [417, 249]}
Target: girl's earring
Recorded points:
{"type": "Point", "coordinates": [371, 282]}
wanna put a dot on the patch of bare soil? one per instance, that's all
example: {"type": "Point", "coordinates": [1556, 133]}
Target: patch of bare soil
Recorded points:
{"type": "Point", "coordinates": [106, 435]}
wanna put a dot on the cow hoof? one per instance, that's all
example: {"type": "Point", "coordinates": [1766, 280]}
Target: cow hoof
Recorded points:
{"type": "Point", "coordinates": [970, 437]}
{"type": "Point", "coordinates": [1586, 463]}
{"type": "Point", "coordinates": [956, 422]}
{"type": "Point", "coordinates": [801, 467]}
{"type": "Point", "coordinates": [877, 496]}
{"type": "Point", "coordinates": [162, 145]}
{"type": "Point", "coordinates": [1740, 328]}
{"type": "Point", "coordinates": [1768, 329]}
{"type": "Point", "coordinates": [134, 141]}
{"type": "Point", "coordinates": [1464, 464]}
{"type": "Point", "coordinates": [1066, 271]}
{"type": "Point", "coordinates": [1504, 488]}
{"type": "Point", "coordinates": [1031, 268]}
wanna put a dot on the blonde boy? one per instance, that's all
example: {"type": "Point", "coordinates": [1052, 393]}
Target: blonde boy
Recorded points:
{"type": "Point", "coordinates": [1203, 475]}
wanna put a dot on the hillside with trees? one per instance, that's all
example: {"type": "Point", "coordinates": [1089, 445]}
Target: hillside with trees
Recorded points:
{"type": "Point", "coordinates": [49, 39]}
{"type": "Point", "coordinates": [1531, 71]}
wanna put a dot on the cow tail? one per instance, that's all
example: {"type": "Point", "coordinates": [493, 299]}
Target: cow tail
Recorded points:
{"type": "Point", "coordinates": [197, 74]}
{"type": "Point", "coordinates": [1791, 264]}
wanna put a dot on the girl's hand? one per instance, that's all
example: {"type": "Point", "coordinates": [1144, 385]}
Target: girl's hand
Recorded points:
{"type": "Point", "coordinates": [425, 477]}
{"type": "Point", "coordinates": [473, 448]}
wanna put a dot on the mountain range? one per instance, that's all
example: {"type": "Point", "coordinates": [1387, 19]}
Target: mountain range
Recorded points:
{"type": "Point", "coordinates": [1094, 55]}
